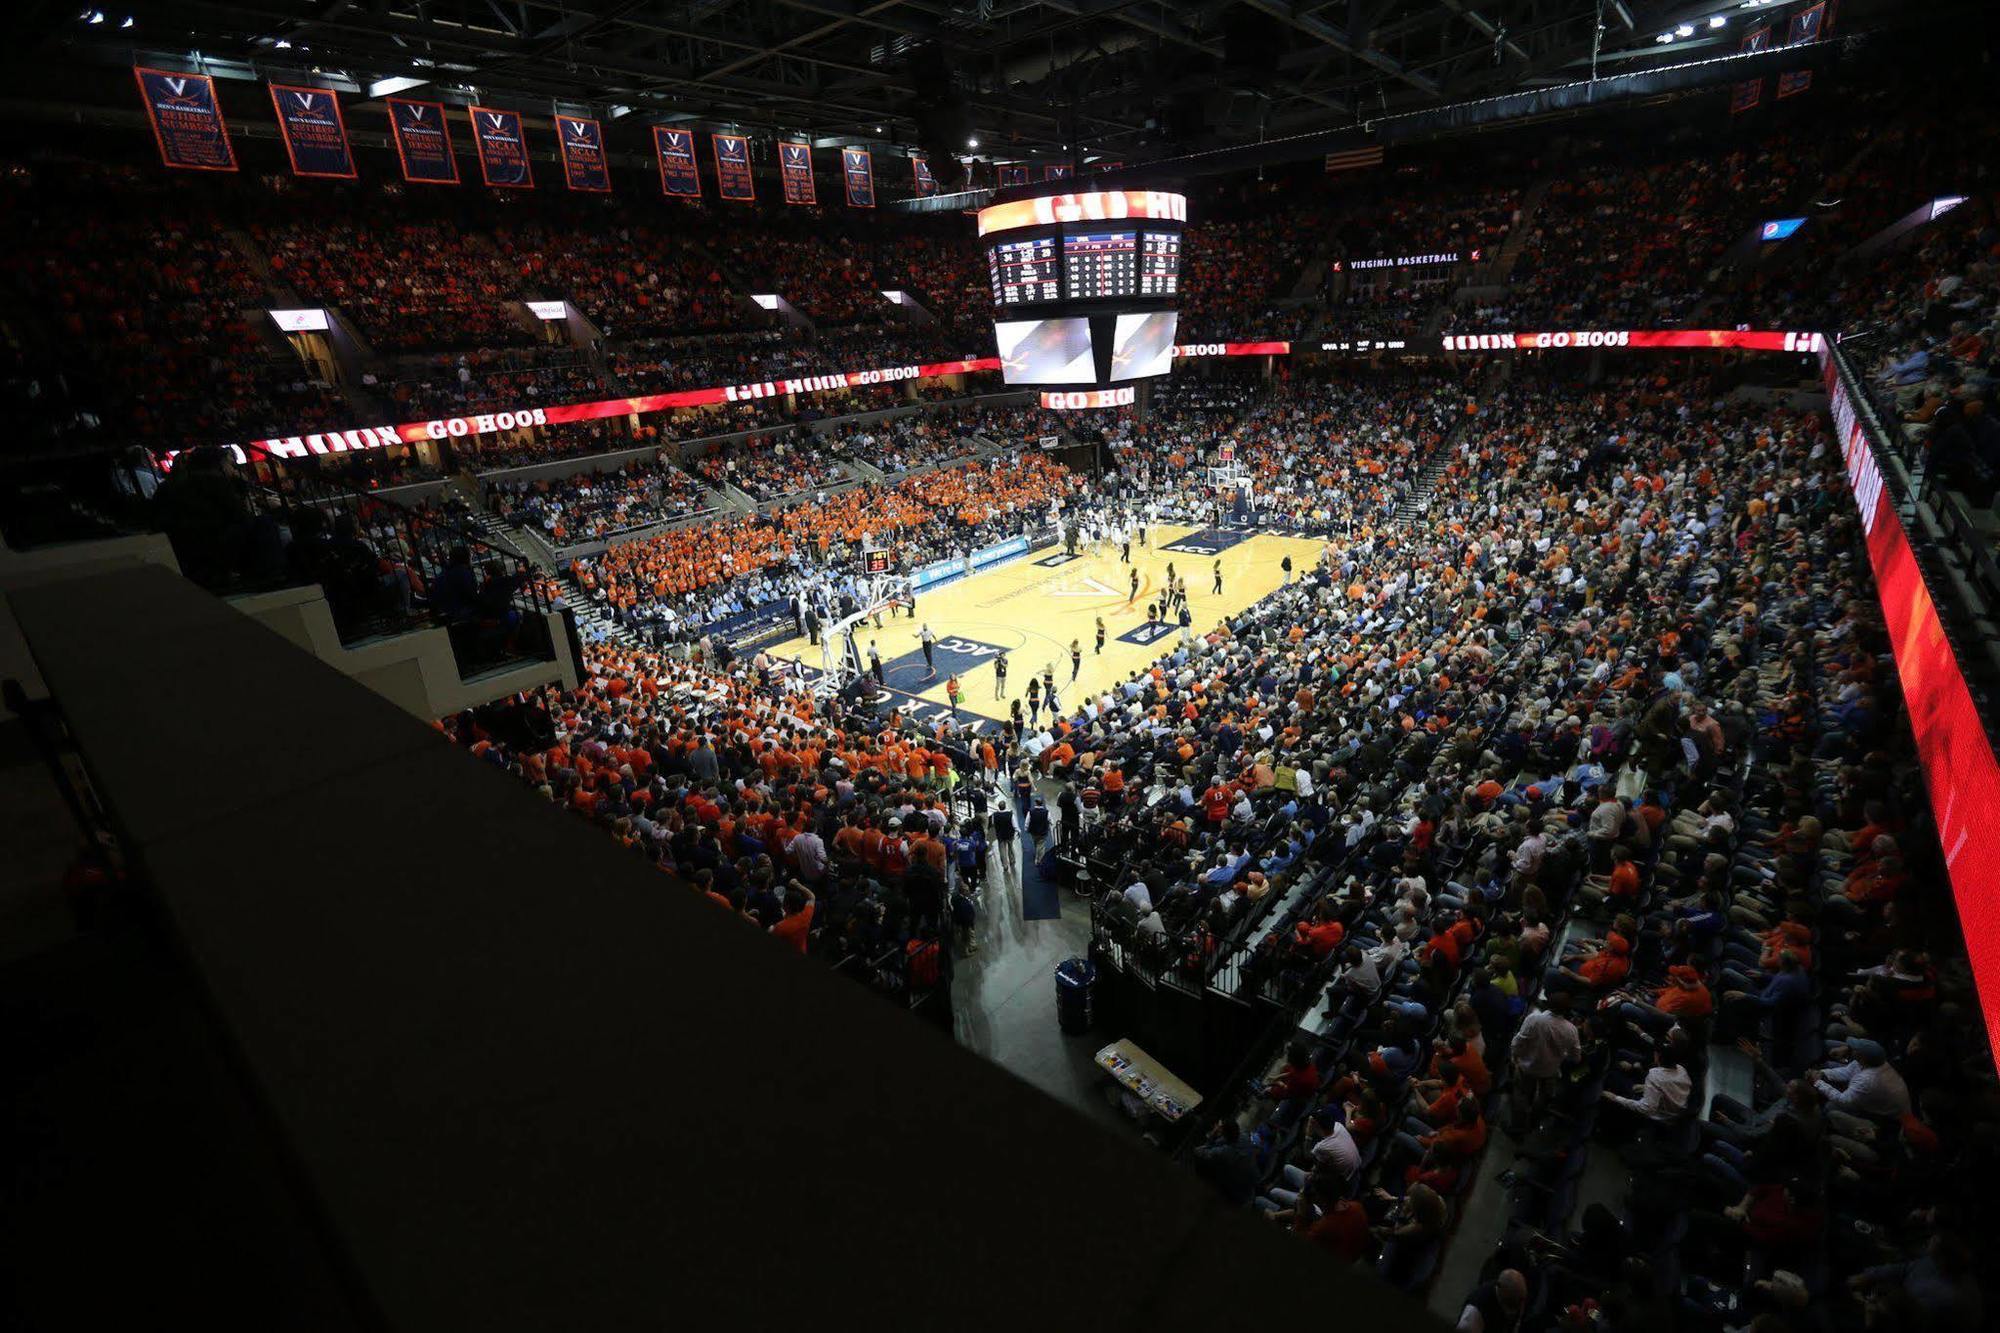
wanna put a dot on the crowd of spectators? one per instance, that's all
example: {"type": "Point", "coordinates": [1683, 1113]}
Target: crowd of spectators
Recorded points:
{"type": "Point", "coordinates": [770, 469]}
{"type": "Point", "coordinates": [1624, 243]}
{"type": "Point", "coordinates": [594, 505]}
{"type": "Point", "coordinates": [675, 584]}
{"type": "Point", "coordinates": [903, 444]}
{"type": "Point", "coordinates": [409, 284]}
{"type": "Point", "coordinates": [492, 379]}
{"type": "Point", "coordinates": [629, 277]}
{"type": "Point", "coordinates": [1935, 349]}
{"type": "Point", "coordinates": [148, 308]}
{"type": "Point", "coordinates": [1403, 216]}
{"type": "Point", "coordinates": [1532, 810]}
{"type": "Point", "coordinates": [1534, 807]}
{"type": "Point", "coordinates": [663, 365]}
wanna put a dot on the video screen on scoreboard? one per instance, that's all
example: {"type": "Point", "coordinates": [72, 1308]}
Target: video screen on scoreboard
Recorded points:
{"type": "Point", "coordinates": [1044, 351]}
{"type": "Point", "coordinates": [1143, 345]}
{"type": "Point", "coordinates": [1023, 271]}
{"type": "Point", "coordinates": [1100, 264]}
{"type": "Point", "coordinates": [1159, 263]}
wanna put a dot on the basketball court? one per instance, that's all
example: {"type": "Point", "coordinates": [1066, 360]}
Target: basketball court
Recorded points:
{"type": "Point", "coordinates": [1033, 607]}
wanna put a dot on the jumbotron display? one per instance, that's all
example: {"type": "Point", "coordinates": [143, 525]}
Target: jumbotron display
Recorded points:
{"type": "Point", "coordinates": [1084, 284]}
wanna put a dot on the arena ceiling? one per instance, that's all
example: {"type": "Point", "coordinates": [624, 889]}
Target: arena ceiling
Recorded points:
{"type": "Point", "coordinates": [1129, 79]}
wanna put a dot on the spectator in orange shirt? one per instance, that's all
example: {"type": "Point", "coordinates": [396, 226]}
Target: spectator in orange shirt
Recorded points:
{"type": "Point", "coordinates": [797, 922]}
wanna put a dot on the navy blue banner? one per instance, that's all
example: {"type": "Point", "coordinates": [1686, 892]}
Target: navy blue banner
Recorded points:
{"type": "Point", "coordinates": [1013, 173]}
{"type": "Point", "coordinates": [1745, 96]}
{"type": "Point", "coordinates": [584, 164]}
{"type": "Point", "coordinates": [315, 134]}
{"type": "Point", "coordinates": [1807, 24]}
{"type": "Point", "coordinates": [732, 167]}
{"type": "Point", "coordinates": [926, 183]}
{"type": "Point", "coordinates": [423, 142]}
{"type": "Point", "coordinates": [679, 175]}
{"type": "Point", "coordinates": [1793, 83]}
{"type": "Point", "coordinates": [1056, 173]}
{"type": "Point", "coordinates": [857, 167]}
{"type": "Point", "coordinates": [795, 169]}
{"type": "Point", "coordinates": [187, 120]}
{"type": "Point", "coordinates": [503, 149]}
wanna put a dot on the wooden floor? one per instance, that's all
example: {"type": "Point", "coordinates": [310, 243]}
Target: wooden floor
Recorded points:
{"type": "Point", "coordinates": [1033, 607]}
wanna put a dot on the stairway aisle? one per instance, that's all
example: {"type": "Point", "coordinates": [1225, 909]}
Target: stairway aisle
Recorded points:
{"type": "Point", "coordinates": [1419, 500]}
{"type": "Point", "coordinates": [1517, 237]}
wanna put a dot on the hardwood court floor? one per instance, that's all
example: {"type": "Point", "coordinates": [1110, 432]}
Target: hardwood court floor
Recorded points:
{"type": "Point", "coordinates": [1033, 607]}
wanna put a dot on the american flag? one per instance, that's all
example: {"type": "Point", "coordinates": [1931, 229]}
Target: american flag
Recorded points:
{"type": "Point", "coordinates": [1354, 159]}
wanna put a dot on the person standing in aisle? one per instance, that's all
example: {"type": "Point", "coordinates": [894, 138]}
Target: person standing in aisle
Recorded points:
{"type": "Point", "coordinates": [1038, 825]}
{"type": "Point", "coordinates": [1006, 838]}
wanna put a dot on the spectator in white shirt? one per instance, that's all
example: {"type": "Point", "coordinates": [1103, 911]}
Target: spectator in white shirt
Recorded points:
{"type": "Point", "coordinates": [1545, 1042]}
{"type": "Point", "coordinates": [1335, 1156]}
{"type": "Point", "coordinates": [1663, 1094]}
{"type": "Point", "coordinates": [1867, 1085]}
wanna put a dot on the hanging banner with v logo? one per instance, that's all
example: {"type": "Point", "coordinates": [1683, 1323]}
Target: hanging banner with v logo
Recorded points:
{"type": "Point", "coordinates": [423, 142]}
{"type": "Point", "coordinates": [584, 164]}
{"type": "Point", "coordinates": [732, 167]}
{"type": "Point", "coordinates": [857, 165]}
{"type": "Point", "coordinates": [678, 174]}
{"type": "Point", "coordinates": [315, 134]}
{"type": "Point", "coordinates": [187, 120]}
{"type": "Point", "coordinates": [503, 149]}
{"type": "Point", "coordinates": [795, 169]}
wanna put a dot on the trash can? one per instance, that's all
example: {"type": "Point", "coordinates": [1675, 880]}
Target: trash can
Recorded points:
{"type": "Point", "coordinates": [1076, 980]}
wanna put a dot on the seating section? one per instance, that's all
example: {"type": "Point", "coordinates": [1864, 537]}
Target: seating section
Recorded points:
{"type": "Point", "coordinates": [590, 506]}
{"type": "Point", "coordinates": [408, 285]}
{"type": "Point", "coordinates": [772, 469]}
